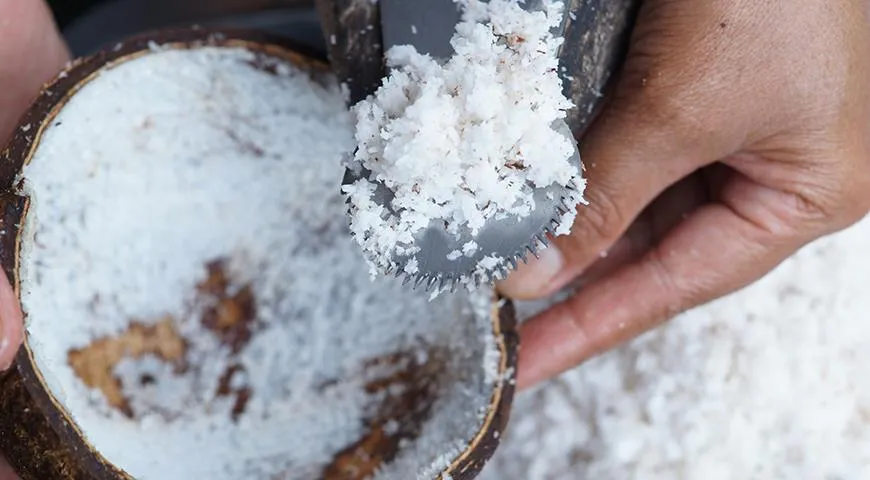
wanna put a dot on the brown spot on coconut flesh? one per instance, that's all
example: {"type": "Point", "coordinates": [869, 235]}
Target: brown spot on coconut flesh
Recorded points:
{"type": "Point", "coordinates": [407, 385]}
{"type": "Point", "coordinates": [226, 311]}
{"type": "Point", "coordinates": [229, 312]}
{"type": "Point", "coordinates": [226, 389]}
{"type": "Point", "coordinates": [95, 364]}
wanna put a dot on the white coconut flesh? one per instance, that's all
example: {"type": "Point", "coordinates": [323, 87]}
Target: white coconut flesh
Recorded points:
{"type": "Point", "coordinates": [193, 298]}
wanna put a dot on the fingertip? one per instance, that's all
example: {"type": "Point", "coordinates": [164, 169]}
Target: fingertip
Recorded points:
{"type": "Point", "coordinates": [11, 323]}
{"type": "Point", "coordinates": [536, 278]}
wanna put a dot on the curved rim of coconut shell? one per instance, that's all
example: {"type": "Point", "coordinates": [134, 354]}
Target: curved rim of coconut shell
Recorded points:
{"type": "Point", "coordinates": [37, 434]}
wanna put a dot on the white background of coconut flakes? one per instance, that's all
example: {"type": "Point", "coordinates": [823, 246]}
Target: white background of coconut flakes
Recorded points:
{"type": "Point", "coordinates": [769, 383]}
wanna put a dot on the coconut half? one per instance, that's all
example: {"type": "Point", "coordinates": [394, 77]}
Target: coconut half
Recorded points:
{"type": "Point", "coordinates": [195, 307]}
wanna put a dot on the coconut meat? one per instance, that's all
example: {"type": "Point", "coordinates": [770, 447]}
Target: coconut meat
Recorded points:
{"type": "Point", "coordinates": [194, 296]}
{"type": "Point", "coordinates": [466, 139]}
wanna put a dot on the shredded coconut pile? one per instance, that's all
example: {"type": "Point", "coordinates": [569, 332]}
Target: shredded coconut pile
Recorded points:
{"type": "Point", "coordinates": [769, 383]}
{"type": "Point", "coordinates": [194, 193]}
{"type": "Point", "coordinates": [465, 140]}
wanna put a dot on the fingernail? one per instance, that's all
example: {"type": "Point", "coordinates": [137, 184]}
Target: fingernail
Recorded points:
{"type": "Point", "coordinates": [533, 279]}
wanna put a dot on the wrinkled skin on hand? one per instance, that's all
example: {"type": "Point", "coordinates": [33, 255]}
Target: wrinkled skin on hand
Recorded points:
{"type": "Point", "coordinates": [31, 53]}
{"type": "Point", "coordinates": [736, 134]}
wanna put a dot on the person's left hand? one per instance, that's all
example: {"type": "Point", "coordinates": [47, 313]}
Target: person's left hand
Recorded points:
{"type": "Point", "coordinates": [31, 53]}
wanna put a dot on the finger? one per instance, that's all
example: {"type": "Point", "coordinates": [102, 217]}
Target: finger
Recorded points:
{"type": "Point", "coordinates": [596, 255]}
{"type": "Point", "coordinates": [11, 323]}
{"type": "Point", "coordinates": [6, 471]}
{"type": "Point", "coordinates": [627, 249]}
{"type": "Point", "coordinates": [717, 250]}
{"type": "Point", "coordinates": [620, 184]}
{"type": "Point", "coordinates": [31, 53]}
{"type": "Point", "coordinates": [661, 216]}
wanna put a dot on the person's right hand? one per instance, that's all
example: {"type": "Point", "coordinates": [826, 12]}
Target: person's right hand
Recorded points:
{"type": "Point", "coordinates": [31, 53]}
{"type": "Point", "coordinates": [736, 133]}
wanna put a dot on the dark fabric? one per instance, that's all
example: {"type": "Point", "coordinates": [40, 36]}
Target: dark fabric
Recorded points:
{"type": "Point", "coordinates": [89, 25]}
{"type": "Point", "coordinates": [66, 10]}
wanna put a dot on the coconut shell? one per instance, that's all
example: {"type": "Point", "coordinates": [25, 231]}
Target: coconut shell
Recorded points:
{"type": "Point", "coordinates": [39, 437]}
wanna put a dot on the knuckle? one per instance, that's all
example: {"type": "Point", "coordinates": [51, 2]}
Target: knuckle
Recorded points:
{"type": "Point", "coordinates": [820, 207]}
{"type": "Point", "coordinates": [581, 330]}
{"type": "Point", "coordinates": [602, 218]}
{"type": "Point", "coordinates": [681, 296]}
{"type": "Point", "coordinates": [836, 193]}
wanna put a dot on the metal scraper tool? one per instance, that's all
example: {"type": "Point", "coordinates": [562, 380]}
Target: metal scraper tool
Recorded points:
{"type": "Point", "coordinates": [428, 26]}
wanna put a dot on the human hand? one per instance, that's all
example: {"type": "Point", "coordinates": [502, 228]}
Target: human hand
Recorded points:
{"type": "Point", "coordinates": [31, 53]}
{"type": "Point", "coordinates": [736, 134]}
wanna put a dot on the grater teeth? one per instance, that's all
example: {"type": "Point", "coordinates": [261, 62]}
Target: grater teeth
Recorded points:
{"type": "Point", "coordinates": [510, 243]}
{"type": "Point", "coordinates": [442, 280]}
{"type": "Point", "coordinates": [452, 281]}
{"type": "Point", "coordinates": [533, 249]}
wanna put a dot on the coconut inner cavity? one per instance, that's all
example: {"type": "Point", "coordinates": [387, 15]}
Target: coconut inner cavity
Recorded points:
{"type": "Point", "coordinates": [196, 303]}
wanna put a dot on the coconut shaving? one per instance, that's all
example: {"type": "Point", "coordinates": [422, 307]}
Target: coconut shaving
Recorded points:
{"type": "Point", "coordinates": [193, 297]}
{"type": "Point", "coordinates": [466, 140]}
{"type": "Point", "coordinates": [769, 383]}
